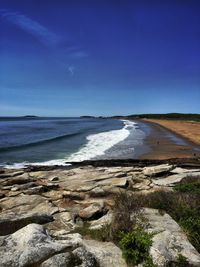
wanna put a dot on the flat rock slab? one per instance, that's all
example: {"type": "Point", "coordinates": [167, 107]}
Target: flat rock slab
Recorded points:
{"type": "Point", "coordinates": [182, 170]}
{"type": "Point", "coordinates": [169, 240]}
{"type": "Point", "coordinates": [156, 170]}
{"type": "Point", "coordinates": [174, 179]}
{"type": "Point", "coordinates": [27, 204]}
{"type": "Point", "coordinates": [141, 185]}
{"type": "Point", "coordinates": [18, 180]}
{"type": "Point", "coordinates": [119, 182]}
{"type": "Point", "coordinates": [10, 173]}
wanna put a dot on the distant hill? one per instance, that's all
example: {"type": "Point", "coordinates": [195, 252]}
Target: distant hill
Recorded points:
{"type": "Point", "coordinates": [29, 116]}
{"type": "Point", "coordinates": [87, 117]}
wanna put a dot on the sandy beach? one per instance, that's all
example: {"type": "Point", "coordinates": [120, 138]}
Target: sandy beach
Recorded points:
{"type": "Point", "coordinates": [187, 129]}
{"type": "Point", "coordinates": [172, 139]}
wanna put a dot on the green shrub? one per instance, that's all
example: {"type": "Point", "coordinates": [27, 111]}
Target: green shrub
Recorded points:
{"type": "Point", "coordinates": [103, 234]}
{"type": "Point", "coordinates": [189, 185]}
{"type": "Point", "coordinates": [125, 229]}
{"type": "Point", "coordinates": [135, 246]}
{"type": "Point", "coordinates": [182, 261]}
{"type": "Point", "coordinates": [149, 263]}
{"type": "Point", "coordinates": [192, 228]}
{"type": "Point", "coordinates": [192, 187]}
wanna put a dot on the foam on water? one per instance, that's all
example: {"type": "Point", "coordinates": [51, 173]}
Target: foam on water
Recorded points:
{"type": "Point", "coordinates": [14, 165]}
{"type": "Point", "coordinates": [99, 143]}
{"type": "Point", "coordinates": [56, 162]}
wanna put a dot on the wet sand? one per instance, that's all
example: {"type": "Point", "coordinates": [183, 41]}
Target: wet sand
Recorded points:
{"type": "Point", "coordinates": [187, 129]}
{"type": "Point", "coordinates": [165, 144]}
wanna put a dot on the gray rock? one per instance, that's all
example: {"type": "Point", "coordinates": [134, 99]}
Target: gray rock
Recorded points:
{"type": "Point", "coordinates": [169, 240]}
{"type": "Point", "coordinates": [157, 170]}
{"type": "Point", "coordinates": [10, 173]}
{"type": "Point", "coordinates": [85, 188]}
{"type": "Point", "coordinates": [174, 179]}
{"type": "Point", "coordinates": [93, 211]}
{"type": "Point", "coordinates": [97, 192]}
{"type": "Point", "coordinates": [140, 184]}
{"type": "Point", "coordinates": [9, 223]}
{"type": "Point", "coordinates": [23, 186]}
{"type": "Point", "coordinates": [80, 257]}
{"type": "Point", "coordinates": [73, 195]}
{"type": "Point", "coordinates": [86, 258]}
{"type": "Point", "coordinates": [35, 190]}
{"type": "Point", "coordinates": [62, 221]}
{"type": "Point", "coordinates": [27, 204]}
{"type": "Point", "coordinates": [18, 211]}
{"type": "Point", "coordinates": [118, 182]}
{"type": "Point", "coordinates": [60, 260]}
{"type": "Point", "coordinates": [120, 174]}
{"type": "Point", "coordinates": [182, 170]}
{"type": "Point", "coordinates": [103, 221]}
{"type": "Point", "coordinates": [30, 246]}
{"type": "Point", "coordinates": [54, 179]}
{"type": "Point", "coordinates": [106, 253]}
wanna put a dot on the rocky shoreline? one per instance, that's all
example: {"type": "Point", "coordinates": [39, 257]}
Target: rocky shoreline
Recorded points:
{"type": "Point", "coordinates": [41, 208]}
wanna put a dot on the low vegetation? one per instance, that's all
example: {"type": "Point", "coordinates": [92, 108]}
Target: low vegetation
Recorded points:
{"type": "Point", "coordinates": [167, 116]}
{"type": "Point", "coordinates": [135, 247]}
{"type": "Point", "coordinates": [183, 205]}
{"type": "Point", "coordinates": [182, 261]}
{"type": "Point", "coordinates": [127, 231]}
{"type": "Point", "coordinates": [189, 185]}
{"type": "Point", "coordinates": [103, 234]}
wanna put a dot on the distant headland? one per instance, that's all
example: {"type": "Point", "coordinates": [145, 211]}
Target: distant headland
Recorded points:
{"type": "Point", "coordinates": [29, 116]}
{"type": "Point", "coordinates": [171, 116]}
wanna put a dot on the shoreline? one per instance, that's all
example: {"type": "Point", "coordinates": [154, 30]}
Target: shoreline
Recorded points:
{"type": "Point", "coordinates": [166, 144]}
{"type": "Point", "coordinates": [190, 163]}
{"type": "Point", "coordinates": [160, 143]}
{"type": "Point", "coordinates": [168, 125]}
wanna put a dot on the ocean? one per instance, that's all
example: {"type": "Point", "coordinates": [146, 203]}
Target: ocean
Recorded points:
{"type": "Point", "coordinates": [56, 141]}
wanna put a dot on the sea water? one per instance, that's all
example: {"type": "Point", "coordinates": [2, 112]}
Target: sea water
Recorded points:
{"type": "Point", "coordinates": [50, 141]}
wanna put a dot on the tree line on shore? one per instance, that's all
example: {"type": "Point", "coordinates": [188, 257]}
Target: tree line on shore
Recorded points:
{"type": "Point", "coordinates": [168, 116]}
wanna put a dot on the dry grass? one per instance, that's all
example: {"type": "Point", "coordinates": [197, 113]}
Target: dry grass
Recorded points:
{"type": "Point", "coordinates": [187, 129]}
{"type": "Point", "coordinates": [126, 211]}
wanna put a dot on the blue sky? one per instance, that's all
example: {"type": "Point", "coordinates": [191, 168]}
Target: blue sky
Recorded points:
{"type": "Point", "coordinates": [71, 58]}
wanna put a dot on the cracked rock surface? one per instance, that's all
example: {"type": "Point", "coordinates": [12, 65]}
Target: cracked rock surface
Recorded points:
{"type": "Point", "coordinates": [40, 210]}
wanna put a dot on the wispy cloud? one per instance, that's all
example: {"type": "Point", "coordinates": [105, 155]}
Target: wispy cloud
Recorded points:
{"type": "Point", "coordinates": [63, 49]}
{"type": "Point", "coordinates": [76, 51]}
{"type": "Point", "coordinates": [79, 54]}
{"type": "Point", "coordinates": [71, 70]}
{"type": "Point", "coordinates": [31, 26]}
